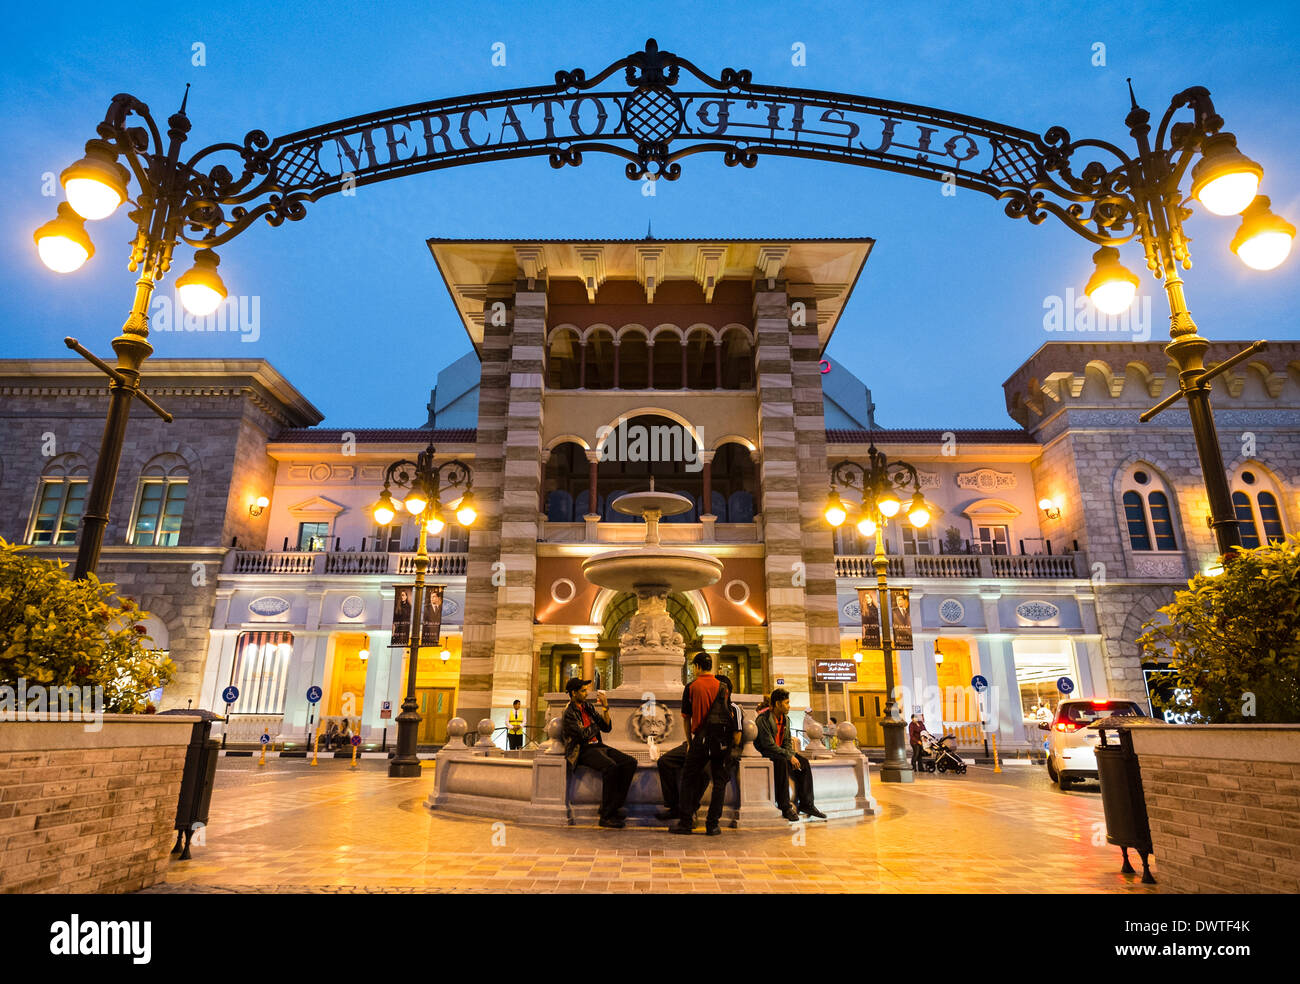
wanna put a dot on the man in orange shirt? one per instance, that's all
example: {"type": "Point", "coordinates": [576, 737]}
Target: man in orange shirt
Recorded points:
{"type": "Point", "coordinates": [709, 723]}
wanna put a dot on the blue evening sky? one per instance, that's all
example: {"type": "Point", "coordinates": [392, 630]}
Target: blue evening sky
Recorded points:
{"type": "Point", "coordinates": [353, 310]}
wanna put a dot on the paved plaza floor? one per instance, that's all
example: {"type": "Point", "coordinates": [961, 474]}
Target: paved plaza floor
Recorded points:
{"type": "Point", "coordinates": [285, 827]}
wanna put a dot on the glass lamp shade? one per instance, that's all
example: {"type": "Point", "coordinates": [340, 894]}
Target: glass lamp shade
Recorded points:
{"type": "Point", "coordinates": [200, 287]}
{"type": "Point", "coordinates": [62, 243]}
{"type": "Point", "coordinates": [96, 184]}
{"type": "Point", "coordinates": [467, 511]}
{"type": "Point", "coordinates": [867, 526]}
{"type": "Point", "coordinates": [434, 524]}
{"type": "Point", "coordinates": [889, 504]}
{"type": "Point", "coordinates": [1112, 285]}
{"type": "Point", "coordinates": [383, 510]}
{"type": "Point", "coordinates": [1264, 239]}
{"type": "Point", "coordinates": [835, 513]}
{"type": "Point", "coordinates": [416, 502]}
{"type": "Point", "coordinates": [1225, 180]}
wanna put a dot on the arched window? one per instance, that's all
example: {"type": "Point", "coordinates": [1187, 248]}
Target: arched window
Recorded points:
{"type": "Point", "coordinates": [1255, 505]}
{"type": "Point", "coordinates": [160, 503]}
{"type": "Point", "coordinates": [60, 501]}
{"type": "Point", "coordinates": [1148, 512]}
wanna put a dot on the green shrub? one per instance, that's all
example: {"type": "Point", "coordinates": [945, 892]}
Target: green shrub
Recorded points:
{"type": "Point", "coordinates": [58, 632]}
{"type": "Point", "coordinates": [1235, 637]}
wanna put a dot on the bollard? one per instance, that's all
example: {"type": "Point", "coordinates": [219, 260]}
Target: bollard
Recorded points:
{"type": "Point", "coordinates": [315, 747]}
{"type": "Point", "coordinates": [266, 740]}
{"type": "Point", "coordinates": [997, 766]}
{"type": "Point", "coordinates": [355, 746]}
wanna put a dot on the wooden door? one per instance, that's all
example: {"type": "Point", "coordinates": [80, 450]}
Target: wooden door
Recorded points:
{"type": "Point", "coordinates": [866, 708]}
{"type": "Point", "coordinates": [436, 709]}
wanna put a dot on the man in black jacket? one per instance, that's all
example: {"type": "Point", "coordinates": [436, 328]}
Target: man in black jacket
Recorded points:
{"type": "Point", "coordinates": [582, 724]}
{"type": "Point", "coordinates": [776, 741]}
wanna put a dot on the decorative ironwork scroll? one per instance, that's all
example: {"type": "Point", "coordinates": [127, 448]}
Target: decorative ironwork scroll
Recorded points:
{"type": "Point", "coordinates": [643, 117]}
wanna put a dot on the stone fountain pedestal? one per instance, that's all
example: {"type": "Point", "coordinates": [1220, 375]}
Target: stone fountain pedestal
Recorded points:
{"type": "Point", "coordinates": [477, 779]}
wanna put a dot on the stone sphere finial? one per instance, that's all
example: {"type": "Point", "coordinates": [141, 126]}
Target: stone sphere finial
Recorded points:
{"type": "Point", "coordinates": [813, 729]}
{"type": "Point", "coordinates": [846, 733]}
{"type": "Point", "coordinates": [554, 728]}
{"type": "Point", "coordinates": [485, 729]}
{"type": "Point", "coordinates": [456, 729]}
{"type": "Point", "coordinates": [749, 730]}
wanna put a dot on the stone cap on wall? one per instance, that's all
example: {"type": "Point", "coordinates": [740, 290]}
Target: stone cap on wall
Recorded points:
{"type": "Point", "coordinates": [118, 731]}
{"type": "Point", "coordinates": [1247, 742]}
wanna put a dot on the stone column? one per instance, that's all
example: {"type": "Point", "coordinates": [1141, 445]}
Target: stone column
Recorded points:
{"type": "Point", "coordinates": [615, 363]}
{"type": "Point", "coordinates": [650, 364]}
{"type": "Point", "coordinates": [717, 365]}
{"type": "Point", "coordinates": [684, 363]}
{"type": "Point", "coordinates": [784, 568]}
{"type": "Point", "coordinates": [481, 585]}
{"type": "Point", "coordinates": [582, 366]}
{"type": "Point", "coordinates": [813, 478]}
{"type": "Point", "coordinates": [512, 662]}
{"type": "Point", "coordinates": [706, 458]}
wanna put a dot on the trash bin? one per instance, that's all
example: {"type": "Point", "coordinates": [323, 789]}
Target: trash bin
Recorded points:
{"type": "Point", "coordinates": [1122, 798]}
{"type": "Point", "coordinates": [198, 779]}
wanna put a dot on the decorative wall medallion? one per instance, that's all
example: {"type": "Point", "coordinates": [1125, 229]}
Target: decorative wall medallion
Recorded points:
{"type": "Point", "coordinates": [319, 473]}
{"type": "Point", "coordinates": [952, 611]}
{"type": "Point", "coordinates": [268, 605]}
{"type": "Point", "coordinates": [1170, 566]}
{"type": "Point", "coordinates": [1037, 611]}
{"type": "Point", "coordinates": [353, 606]}
{"type": "Point", "coordinates": [929, 480]}
{"type": "Point", "coordinates": [736, 592]}
{"type": "Point", "coordinates": [450, 609]}
{"type": "Point", "coordinates": [986, 480]}
{"type": "Point", "coordinates": [563, 591]}
{"type": "Point", "coordinates": [852, 611]}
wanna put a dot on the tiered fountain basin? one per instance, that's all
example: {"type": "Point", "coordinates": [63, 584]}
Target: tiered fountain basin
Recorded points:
{"type": "Point", "coordinates": [475, 778]}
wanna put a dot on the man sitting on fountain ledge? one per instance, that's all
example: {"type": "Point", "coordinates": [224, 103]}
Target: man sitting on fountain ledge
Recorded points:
{"type": "Point", "coordinates": [776, 741]}
{"type": "Point", "coordinates": [582, 726]}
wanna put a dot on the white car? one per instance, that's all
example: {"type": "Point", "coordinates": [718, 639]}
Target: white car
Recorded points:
{"type": "Point", "coordinates": [1071, 744]}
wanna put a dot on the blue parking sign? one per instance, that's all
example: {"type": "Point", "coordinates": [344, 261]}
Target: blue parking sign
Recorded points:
{"type": "Point", "coordinates": [230, 694]}
{"type": "Point", "coordinates": [979, 683]}
{"type": "Point", "coordinates": [313, 695]}
{"type": "Point", "coordinates": [1065, 685]}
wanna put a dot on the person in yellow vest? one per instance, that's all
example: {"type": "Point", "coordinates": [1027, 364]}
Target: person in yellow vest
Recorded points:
{"type": "Point", "coordinates": [515, 733]}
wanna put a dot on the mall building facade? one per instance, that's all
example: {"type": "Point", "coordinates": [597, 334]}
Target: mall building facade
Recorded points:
{"type": "Point", "coordinates": [597, 367]}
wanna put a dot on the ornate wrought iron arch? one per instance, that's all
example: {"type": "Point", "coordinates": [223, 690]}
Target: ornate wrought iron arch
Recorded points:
{"type": "Point", "coordinates": [653, 126]}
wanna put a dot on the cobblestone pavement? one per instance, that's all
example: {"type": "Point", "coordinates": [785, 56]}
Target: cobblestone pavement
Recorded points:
{"type": "Point", "coordinates": [289, 828]}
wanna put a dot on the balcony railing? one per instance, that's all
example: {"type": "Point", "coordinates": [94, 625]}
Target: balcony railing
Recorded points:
{"type": "Point", "coordinates": [1018, 567]}
{"type": "Point", "coordinates": [341, 562]}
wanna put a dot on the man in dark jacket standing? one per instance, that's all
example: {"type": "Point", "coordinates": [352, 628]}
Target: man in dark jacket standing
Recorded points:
{"type": "Point", "coordinates": [775, 740]}
{"type": "Point", "coordinates": [582, 724]}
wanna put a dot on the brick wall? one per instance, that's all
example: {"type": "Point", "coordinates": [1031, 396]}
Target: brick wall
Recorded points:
{"type": "Point", "coordinates": [1224, 805]}
{"type": "Point", "coordinates": [96, 817]}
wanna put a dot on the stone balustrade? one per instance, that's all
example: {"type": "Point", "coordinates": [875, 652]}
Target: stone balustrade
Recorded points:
{"type": "Point", "coordinates": [340, 562]}
{"type": "Point", "coordinates": [1016, 567]}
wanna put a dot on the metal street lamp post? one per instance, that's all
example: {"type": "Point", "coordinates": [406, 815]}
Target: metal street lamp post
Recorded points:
{"type": "Point", "coordinates": [1140, 198]}
{"type": "Point", "coordinates": [173, 195]}
{"type": "Point", "coordinates": [879, 482]}
{"type": "Point", "coordinates": [425, 482]}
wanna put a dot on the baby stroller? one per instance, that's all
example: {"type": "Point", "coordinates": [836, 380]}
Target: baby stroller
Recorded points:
{"type": "Point", "coordinates": [941, 754]}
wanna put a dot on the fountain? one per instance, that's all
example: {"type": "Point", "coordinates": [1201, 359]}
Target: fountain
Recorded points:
{"type": "Point", "coordinates": [478, 779]}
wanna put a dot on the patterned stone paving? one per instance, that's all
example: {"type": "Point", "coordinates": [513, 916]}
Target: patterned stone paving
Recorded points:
{"type": "Point", "coordinates": [287, 828]}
